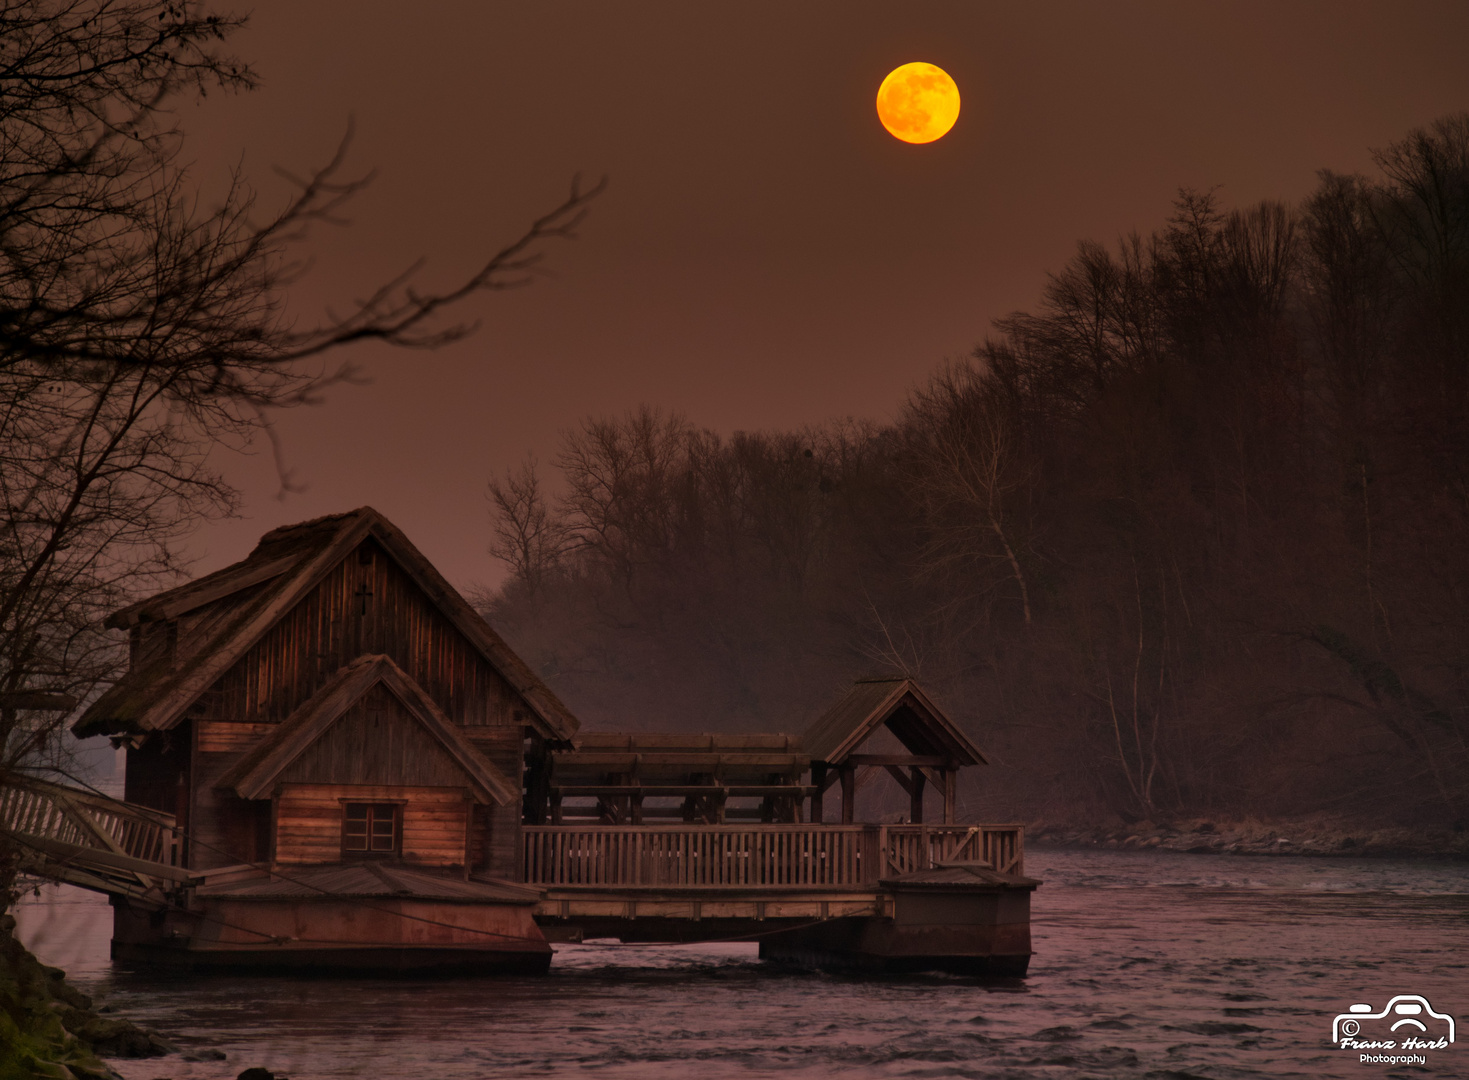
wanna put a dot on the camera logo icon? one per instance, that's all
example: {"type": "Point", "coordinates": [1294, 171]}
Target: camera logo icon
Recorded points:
{"type": "Point", "coordinates": [1404, 1016]}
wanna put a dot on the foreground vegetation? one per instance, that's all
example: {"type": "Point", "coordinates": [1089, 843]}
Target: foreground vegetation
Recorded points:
{"type": "Point", "coordinates": [49, 1029]}
{"type": "Point", "coordinates": [1187, 540]}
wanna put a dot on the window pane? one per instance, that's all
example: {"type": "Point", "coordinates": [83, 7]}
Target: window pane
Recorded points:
{"type": "Point", "coordinates": [383, 830]}
{"type": "Point", "coordinates": [370, 828]}
{"type": "Point", "coordinates": [354, 836]}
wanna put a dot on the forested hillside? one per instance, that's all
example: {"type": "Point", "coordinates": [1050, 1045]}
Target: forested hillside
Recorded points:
{"type": "Point", "coordinates": [1190, 537]}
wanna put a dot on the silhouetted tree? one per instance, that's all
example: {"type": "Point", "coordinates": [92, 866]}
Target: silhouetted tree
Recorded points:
{"type": "Point", "coordinates": [137, 332]}
{"type": "Point", "coordinates": [1186, 538]}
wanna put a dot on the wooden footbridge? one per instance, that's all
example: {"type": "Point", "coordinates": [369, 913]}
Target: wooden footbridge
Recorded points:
{"type": "Point", "coordinates": [86, 839]}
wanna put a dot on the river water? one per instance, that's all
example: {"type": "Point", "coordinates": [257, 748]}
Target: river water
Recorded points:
{"type": "Point", "coordinates": [1148, 964]}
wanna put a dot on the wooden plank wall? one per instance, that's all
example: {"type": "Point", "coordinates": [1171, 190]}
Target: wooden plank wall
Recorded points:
{"type": "Point", "coordinates": [367, 604]}
{"type": "Point", "coordinates": [223, 828]}
{"type": "Point", "coordinates": [157, 772]}
{"type": "Point", "coordinates": [498, 848]}
{"type": "Point", "coordinates": [309, 822]}
{"type": "Point", "coordinates": [376, 741]}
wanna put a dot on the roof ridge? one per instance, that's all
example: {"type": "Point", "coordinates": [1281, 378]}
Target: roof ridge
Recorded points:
{"type": "Point", "coordinates": [281, 532]}
{"type": "Point", "coordinates": [312, 549]}
{"type": "Point", "coordinates": [380, 872]}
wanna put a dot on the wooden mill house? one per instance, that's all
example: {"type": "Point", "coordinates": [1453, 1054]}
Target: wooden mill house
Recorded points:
{"type": "Point", "coordinates": [357, 772]}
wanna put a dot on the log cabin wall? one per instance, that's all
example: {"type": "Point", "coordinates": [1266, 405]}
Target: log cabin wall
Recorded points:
{"type": "Point", "coordinates": [309, 822]}
{"type": "Point", "coordinates": [366, 604]}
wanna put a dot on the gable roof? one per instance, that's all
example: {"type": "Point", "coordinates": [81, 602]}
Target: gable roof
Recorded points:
{"type": "Point", "coordinates": [909, 714]}
{"type": "Point", "coordinates": [255, 774]}
{"type": "Point", "coordinates": [242, 602]}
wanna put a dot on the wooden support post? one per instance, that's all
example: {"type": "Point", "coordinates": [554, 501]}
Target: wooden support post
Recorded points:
{"type": "Point", "coordinates": [915, 815]}
{"type": "Point", "coordinates": [818, 781]}
{"type": "Point", "coordinates": [951, 777]}
{"type": "Point", "coordinates": [849, 794]}
{"type": "Point", "coordinates": [637, 808]}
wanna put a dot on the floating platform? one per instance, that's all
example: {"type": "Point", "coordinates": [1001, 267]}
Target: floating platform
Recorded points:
{"type": "Point", "coordinates": [962, 918]}
{"type": "Point", "coordinates": [353, 918]}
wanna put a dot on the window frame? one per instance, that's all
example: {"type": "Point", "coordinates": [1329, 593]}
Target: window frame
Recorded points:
{"type": "Point", "coordinates": [374, 807]}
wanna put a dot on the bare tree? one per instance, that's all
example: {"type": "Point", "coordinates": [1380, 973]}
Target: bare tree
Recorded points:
{"type": "Point", "coordinates": [970, 461]}
{"type": "Point", "coordinates": [623, 477]}
{"type": "Point", "coordinates": [138, 332]}
{"type": "Point", "coordinates": [525, 534]}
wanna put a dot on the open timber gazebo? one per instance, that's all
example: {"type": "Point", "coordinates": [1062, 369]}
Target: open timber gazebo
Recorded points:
{"type": "Point", "coordinates": [936, 747]}
{"type": "Point", "coordinates": [629, 779]}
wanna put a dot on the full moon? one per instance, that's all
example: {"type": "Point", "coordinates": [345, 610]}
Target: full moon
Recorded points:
{"type": "Point", "coordinates": [918, 102]}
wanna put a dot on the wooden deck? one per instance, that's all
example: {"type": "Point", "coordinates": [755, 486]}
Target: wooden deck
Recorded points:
{"type": "Point", "coordinates": [696, 882]}
{"type": "Point", "coordinates": [757, 856]}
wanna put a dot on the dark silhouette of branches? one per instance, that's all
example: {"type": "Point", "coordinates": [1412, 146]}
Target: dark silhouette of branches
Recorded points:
{"type": "Point", "coordinates": [139, 332]}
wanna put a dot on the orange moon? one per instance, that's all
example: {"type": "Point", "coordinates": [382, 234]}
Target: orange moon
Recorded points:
{"type": "Point", "coordinates": [918, 103]}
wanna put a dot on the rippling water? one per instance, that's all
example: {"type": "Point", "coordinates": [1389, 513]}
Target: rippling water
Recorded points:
{"type": "Point", "coordinates": [1147, 965]}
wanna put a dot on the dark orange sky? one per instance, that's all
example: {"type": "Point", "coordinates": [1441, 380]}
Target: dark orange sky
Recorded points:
{"type": "Point", "coordinates": [766, 255]}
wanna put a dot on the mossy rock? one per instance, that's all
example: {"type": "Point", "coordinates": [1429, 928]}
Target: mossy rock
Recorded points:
{"type": "Point", "coordinates": [48, 1027]}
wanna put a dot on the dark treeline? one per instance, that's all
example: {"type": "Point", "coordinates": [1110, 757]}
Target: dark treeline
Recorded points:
{"type": "Point", "coordinates": [1191, 538]}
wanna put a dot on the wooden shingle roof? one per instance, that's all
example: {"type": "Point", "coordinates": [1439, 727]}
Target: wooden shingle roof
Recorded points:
{"type": "Point", "coordinates": [234, 608]}
{"type": "Point", "coordinates": [920, 725]}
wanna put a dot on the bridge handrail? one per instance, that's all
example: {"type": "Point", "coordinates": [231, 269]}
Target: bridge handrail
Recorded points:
{"type": "Point", "coordinates": [757, 856]}
{"type": "Point", "coordinates": [53, 811]}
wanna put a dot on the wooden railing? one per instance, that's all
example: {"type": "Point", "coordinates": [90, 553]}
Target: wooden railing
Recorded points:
{"type": "Point", "coordinates": [920, 847]}
{"type": "Point", "coordinates": [757, 856]}
{"type": "Point", "coordinates": [54, 812]}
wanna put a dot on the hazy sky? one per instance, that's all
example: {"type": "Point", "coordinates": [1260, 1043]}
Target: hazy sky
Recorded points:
{"type": "Point", "coordinates": [766, 255]}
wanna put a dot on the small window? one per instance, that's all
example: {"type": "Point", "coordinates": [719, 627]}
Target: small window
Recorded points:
{"type": "Point", "coordinates": [372, 828]}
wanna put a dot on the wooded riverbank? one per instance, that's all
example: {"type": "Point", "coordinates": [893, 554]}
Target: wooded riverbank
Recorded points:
{"type": "Point", "coordinates": [1251, 837]}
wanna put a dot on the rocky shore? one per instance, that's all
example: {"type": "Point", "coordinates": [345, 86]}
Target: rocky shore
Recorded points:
{"type": "Point", "coordinates": [48, 1028]}
{"type": "Point", "coordinates": [1206, 837]}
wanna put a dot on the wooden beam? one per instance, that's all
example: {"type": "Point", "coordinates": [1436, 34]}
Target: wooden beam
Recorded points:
{"type": "Point", "coordinates": [818, 784]}
{"type": "Point", "coordinates": [730, 791]}
{"type": "Point", "coordinates": [916, 791]}
{"type": "Point", "coordinates": [951, 777]}
{"type": "Point", "coordinates": [37, 701]}
{"type": "Point", "coordinates": [933, 761]}
{"type": "Point", "coordinates": [901, 777]}
{"type": "Point", "coordinates": [849, 794]}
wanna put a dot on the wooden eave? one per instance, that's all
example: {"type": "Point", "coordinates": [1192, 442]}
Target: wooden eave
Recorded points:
{"type": "Point", "coordinates": [155, 703]}
{"type": "Point", "coordinates": [920, 725]}
{"type": "Point", "coordinates": [255, 774]}
{"type": "Point", "coordinates": [196, 594]}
